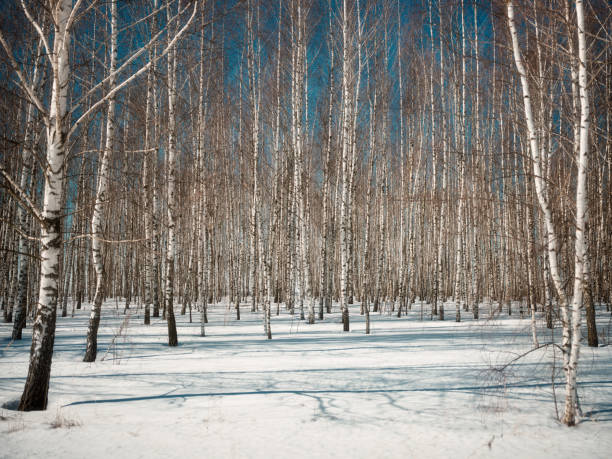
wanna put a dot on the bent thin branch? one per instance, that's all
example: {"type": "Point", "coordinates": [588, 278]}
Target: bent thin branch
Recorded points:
{"type": "Point", "coordinates": [18, 193]}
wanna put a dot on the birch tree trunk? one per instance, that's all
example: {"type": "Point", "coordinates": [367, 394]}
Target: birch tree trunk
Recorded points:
{"type": "Point", "coordinates": [23, 218]}
{"type": "Point", "coordinates": [571, 326]}
{"type": "Point", "coordinates": [325, 300]}
{"type": "Point", "coordinates": [442, 214]}
{"type": "Point", "coordinates": [101, 198]}
{"type": "Point", "coordinates": [253, 70]}
{"type": "Point", "coordinates": [403, 165]}
{"type": "Point", "coordinates": [36, 388]}
{"type": "Point", "coordinates": [203, 265]}
{"type": "Point", "coordinates": [346, 139]}
{"type": "Point", "coordinates": [581, 261]}
{"type": "Point", "coordinates": [577, 126]}
{"type": "Point", "coordinates": [150, 258]}
{"type": "Point", "coordinates": [171, 194]}
{"type": "Point", "coordinates": [459, 237]}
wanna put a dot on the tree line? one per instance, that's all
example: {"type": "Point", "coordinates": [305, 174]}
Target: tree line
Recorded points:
{"type": "Point", "coordinates": [293, 155]}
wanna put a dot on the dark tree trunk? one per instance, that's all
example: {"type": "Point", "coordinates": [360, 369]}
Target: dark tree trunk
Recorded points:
{"type": "Point", "coordinates": [590, 318]}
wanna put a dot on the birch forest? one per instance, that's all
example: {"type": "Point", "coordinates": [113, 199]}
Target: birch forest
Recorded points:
{"type": "Point", "coordinates": [307, 161]}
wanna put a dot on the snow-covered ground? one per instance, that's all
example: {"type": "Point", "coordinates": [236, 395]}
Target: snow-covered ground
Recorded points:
{"type": "Point", "coordinates": [410, 389]}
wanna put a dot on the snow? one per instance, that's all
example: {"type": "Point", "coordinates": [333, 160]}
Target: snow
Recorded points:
{"type": "Point", "coordinates": [410, 389]}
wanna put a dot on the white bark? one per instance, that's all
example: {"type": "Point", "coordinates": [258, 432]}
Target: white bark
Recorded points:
{"type": "Point", "coordinates": [253, 69]}
{"type": "Point", "coordinates": [325, 300]}
{"type": "Point", "coordinates": [171, 193]}
{"type": "Point", "coordinates": [150, 258]}
{"type": "Point", "coordinates": [23, 217]}
{"type": "Point", "coordinates": [43, 334]}
{"type": "Point", "coordinates": [459, 236]}
{"type": "Point", "coordinates": [201, 188]}
{"type": "Point", "coordinates": [442, 214]}
{"type": "Point", "coordinates": [581, 261]}
{"type": "Point", "coordinates": [101, 198]}
{"type": "Point", "coordinates": [571, 326]}
{"type": "Point", "coordinates": [540, 185]}
{"type": "Point", "coordinates": [346, 139]}
{"type": "Point", "coordinates": [403, 165]}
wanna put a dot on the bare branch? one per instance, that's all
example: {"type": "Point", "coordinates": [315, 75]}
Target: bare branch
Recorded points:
{"type": "Point", "coordinates": [18, 193]}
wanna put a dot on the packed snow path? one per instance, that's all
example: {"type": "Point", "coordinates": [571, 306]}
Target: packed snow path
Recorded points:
{"type": "Point", "coordinates": [410, 389]}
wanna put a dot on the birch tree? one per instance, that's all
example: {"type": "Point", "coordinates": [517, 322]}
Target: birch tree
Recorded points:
{"type": "Point", "coordinates": [59, 124]}
{"type": "Point", "coordinates": [57, 128]}
{"type": "Point", "coordinates": [571, 324]}
{"type": "Point", "coordinates": [23, 217]}
{"type": "Point", "coordinates": [581, 262]}
{"type": "Point", "coordinates": [101, 197]}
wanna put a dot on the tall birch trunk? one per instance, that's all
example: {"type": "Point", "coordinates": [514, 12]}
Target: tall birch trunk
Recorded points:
{"type": "Point", "coordinates": [36, 388]}
{"type": "Point", "coordinates": [571, 326]}
{"type": "Point", "coordinates": [23, 218]}
{"type": "Point", "coordinates": [581, 261]}
{"type": "Point", "coordinates": [150, 257]}
{"type": "Point", "coordinates": [101, 198]}
{"type": "Point", "coordinates": [171, 194]}
{"type": "Point", "coordinates": [253, 70]}
{"type": "Point", "coordinates": [344, 210]}
{"type": "Point", "coordinates": [325, 300]}
{"type": "Point", "coordinates": [202, 239]}
{"type": "Point", "coordinates": [459, 237]}
{"type": "Point", "coordinates": [442, 212]}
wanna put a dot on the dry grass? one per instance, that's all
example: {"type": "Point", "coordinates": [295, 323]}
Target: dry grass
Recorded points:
{"type": "Point", "coordinates": [15, 426]}
{"type": "Point", "coordinates": [62, 421]}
